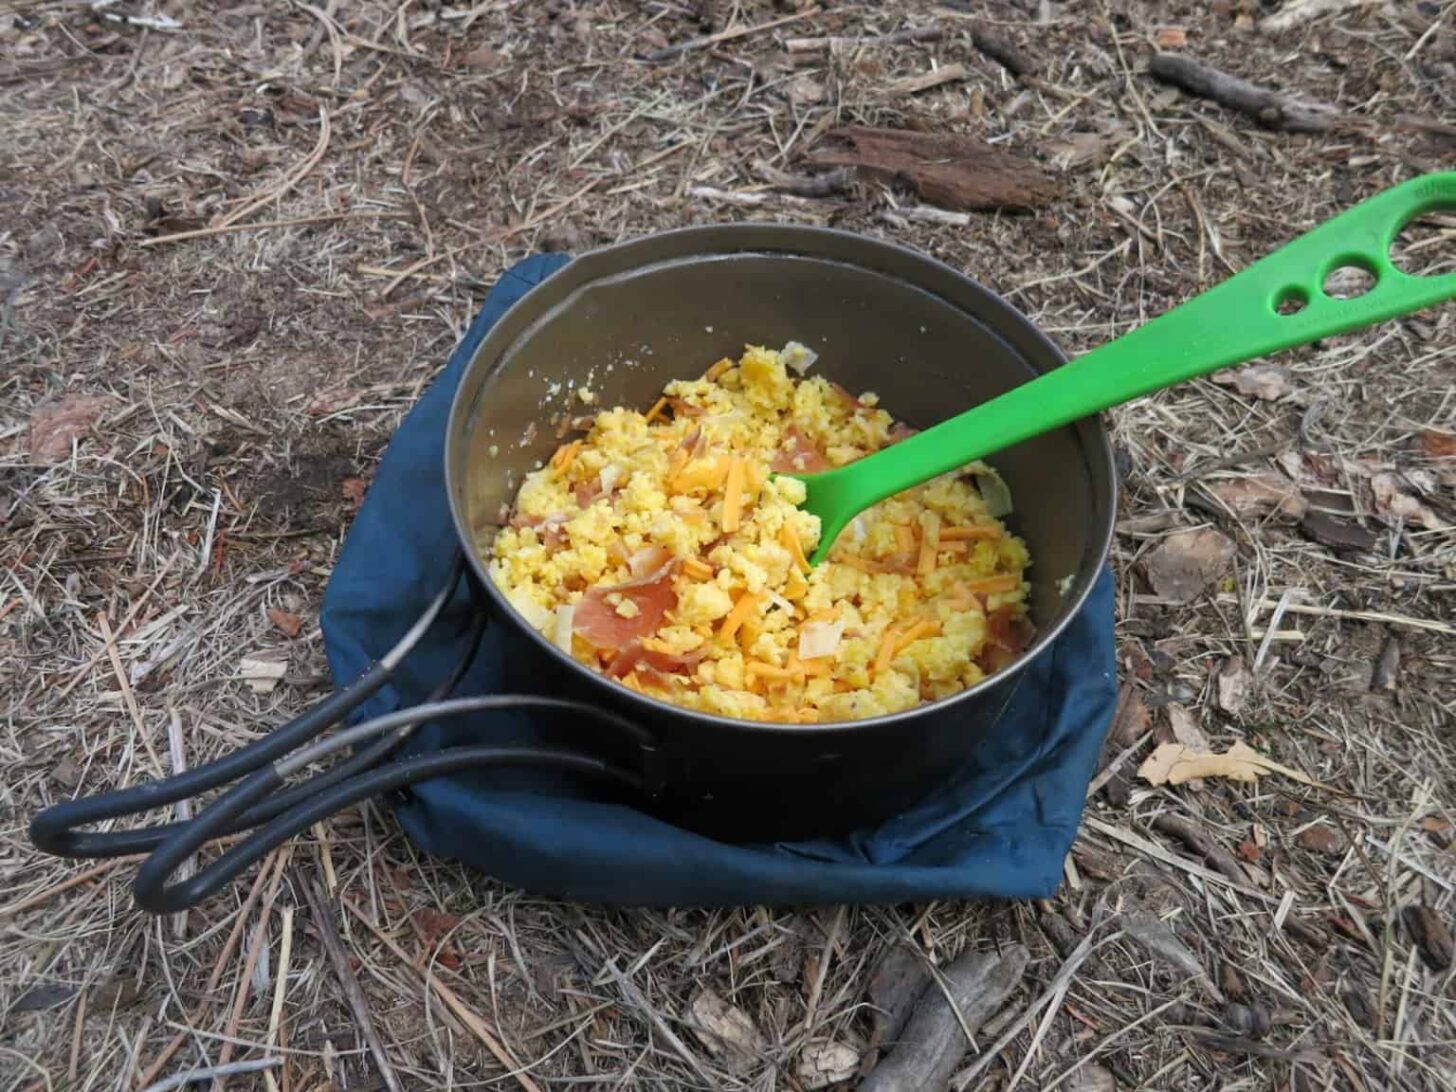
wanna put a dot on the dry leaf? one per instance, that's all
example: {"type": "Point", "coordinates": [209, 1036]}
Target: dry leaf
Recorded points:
{"type": "Point", "coordinates": [1173, 764]}
{"type": "Point", "coordinates": [1268, 382]}
{"type": "Point", "coordinates": [1438, 445]}
{"type": "Point", "coordinates": [1262, 494]}
{"type": "Point", "coordinates": [290, 624]}
{"type": "Point", "coordinates": [1171, 37]}
{"type": "Point", "coordinates": [726, 1030]}
{"type": "Point", "coordinates": [482, 59]}
{"type": "Point", "coordinates": [823, 1064]}
{"type": "Point", "coordinates": [353, 490]}
{"type": "Point", "coordinates": [1186, 731]}
{"type": "Point", "coordinates": [805, 91]}
{"type": "Point", "coordinates": [1188, 562]}
{"type": "Point", "coordinates": [1234, 683]}
{"type": "Point", "coordinates": [1250, 851]}
{"type": "Point", "coordinates": [1394, 502]}
{"type": "Point", "coordinates": [333, 400]}
{"type": "Point", "coordinates": [262, 670]}
{"type": "Point", "coordinates": [1092, 1078]}
{"type": "Point", "coordinates": [54, 424]}
{"type": "Point", "coordinates": [1320, 839]}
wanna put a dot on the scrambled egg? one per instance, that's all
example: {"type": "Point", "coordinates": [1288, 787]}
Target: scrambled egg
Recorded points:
{"type": "Point", "coordinates": [661, 550]}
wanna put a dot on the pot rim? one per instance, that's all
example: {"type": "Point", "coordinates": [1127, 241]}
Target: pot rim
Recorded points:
{"type": "Point", "coordinates": [1098, 450]}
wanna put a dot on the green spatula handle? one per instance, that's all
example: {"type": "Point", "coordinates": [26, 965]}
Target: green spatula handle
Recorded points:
{"type": "Point", "coordinates": [1236, 321]}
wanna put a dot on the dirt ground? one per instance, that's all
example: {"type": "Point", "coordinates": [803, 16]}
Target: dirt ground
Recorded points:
{"type": "Point", "coordinates": [187, 422]}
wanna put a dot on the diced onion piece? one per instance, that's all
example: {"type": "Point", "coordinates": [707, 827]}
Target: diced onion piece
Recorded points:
{"type": "Point", "coordinates": [818, 639]}
{"type": "Point", "coordinates": [779, 601]}
{"type": "Point", "coordinates": [857, 529]}
{"type": "Point", "coordinates": [799, 357]}
{"type": "Point", "coordinates": [536, 616]}
{"type": "Point", "coordinates": [565, 622]}
{"type": "Point", "coordinates": [611, 476]}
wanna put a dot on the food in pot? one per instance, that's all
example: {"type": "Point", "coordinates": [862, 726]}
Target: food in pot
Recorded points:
{"type": "Point", "coordinates": [660, 550]}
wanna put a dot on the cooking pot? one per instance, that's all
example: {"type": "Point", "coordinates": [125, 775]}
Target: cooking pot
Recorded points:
{"type": "Point", "coordinates": [622, 322]}
{"type": "Point", "coordinates": [929, 341]}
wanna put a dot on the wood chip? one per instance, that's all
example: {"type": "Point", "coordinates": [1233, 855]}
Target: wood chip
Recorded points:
{"type": "Point", "coordinates": [262, 670]}
{"type": "Point", "coordinates": [952, 171]}
{"type": "Point", "coordinates": [823, 1064]}
{"type": "Point", "coordinates": [1337, 534]}
{"type": "Point", "coordinates": [899, 979]}
{"type": "Point", "coordinates": [1233, 684]}
{"type": "Point", "coordinates": [727, 1031]}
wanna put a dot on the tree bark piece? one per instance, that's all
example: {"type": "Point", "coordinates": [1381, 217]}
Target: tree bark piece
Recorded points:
{"type": "Point", "coordinates": [1270, 108]}
{"type": "Point", "coordinates": [934, 1040]}
{"type": "Point", "coordinates": [899, 979]}
{"type": "Point", "coordinates": [951, 171]}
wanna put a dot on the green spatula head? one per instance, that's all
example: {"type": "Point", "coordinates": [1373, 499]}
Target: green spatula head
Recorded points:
{"type": "Point", "coordinates": [1277, 303]}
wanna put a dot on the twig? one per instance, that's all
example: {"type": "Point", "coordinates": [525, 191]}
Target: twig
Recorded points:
{"type": "Point", "coordinates": [298, 175]}
{"type": "Point", "coordinates": [324, 913]}
{"type": "Point", "coordinates": [1198, 840]}
{"type": "Point", "coordinates": [260, 225]}
{"type": "Point", "coordinates": [1001, 50]}
{"type": "Point", "coordinates": [636, 1000]}
{"type": "Point", "coordinates": [126, 693]}
{"type": "Point", "coordinates": [196, 1076]}
{"type": "Point", "coordinates": [1269, 108]}
{"type": "Point", "coordinates": [1298, 12]}
{"type": "Point", "coordinates": [1158, 853]}
{"type": "Point", "coordinates": [1389, 619]}
{"type": "Point", "coordinates": [668, 52]}
{"type": "Point", "coordinates": [182, 810]}
{"type": "Point", "coordinates": [900, 37]}
{"type": "Point", "coordinates": [926, 81]}
{"type": "Point", "coordinates": [126, 622]}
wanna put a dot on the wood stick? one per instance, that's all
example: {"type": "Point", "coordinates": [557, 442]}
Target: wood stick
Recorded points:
{"type": "Point", "coordinates": [127, 696]}
{"type": "Point", "coordinates": [66, 885]}
{"type": "Point", "coordinates": [324, 913]}
{"type": "Point", "coordinates": [1003, 51]}
{"type": "Point", "coordinates": [297, 221]}
{"type": "Point", "coordinates": [1199, 840]}
{"type": "Point", "coordinates": [668, 52]}
{"type": "Point", "coordinates": [974, 988]}
{"type": "Point", "coordinates": [122, 629]}
{"type": "Point", "coordinates": [229, 1069]}
{"type": "Point", "coordinates": [926, 81]}
{"type": "Point", "coordinates": [1272, 109]}
{"type": "Point", "coordinates": [300, 172]}
{"type": "Point", "coordinates": [900, 37]}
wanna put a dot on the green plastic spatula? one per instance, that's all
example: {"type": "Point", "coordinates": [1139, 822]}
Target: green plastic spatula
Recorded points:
{"type": "Point", "coordinates": [1276, 303]}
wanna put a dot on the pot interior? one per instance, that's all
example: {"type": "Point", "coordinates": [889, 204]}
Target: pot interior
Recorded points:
{"type": "Point", "coordinates": [928, 341]}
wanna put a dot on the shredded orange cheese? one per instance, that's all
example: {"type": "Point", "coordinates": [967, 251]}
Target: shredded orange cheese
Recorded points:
{"type": "Point", "coordinates": [991, 585]}
{"type": "Point", "coordinates": [791, 542]}
{"type": "Point", "coordinates": [929, 544]}
{"type": "Point", "coordinates": [974, 533]}
{"type": "Point", "coordinates": [741, 612]}
{"type": "Point", "coordinates": [656, 411]}
{"type": "Point", "coordinates": [886, 651]}
{"type": "Point", "coordinates": [926, 627]}
{"type": "Point", "coordinates": [563, 457]}
{"type": "Point", "coordinates": [713, 373]}
{"type": "Point", "coordinates": [697, 568]}
{"type": "Point", "coordinates": [733, 496]}
{"type": "Point", "coordinates": [904, 539]}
